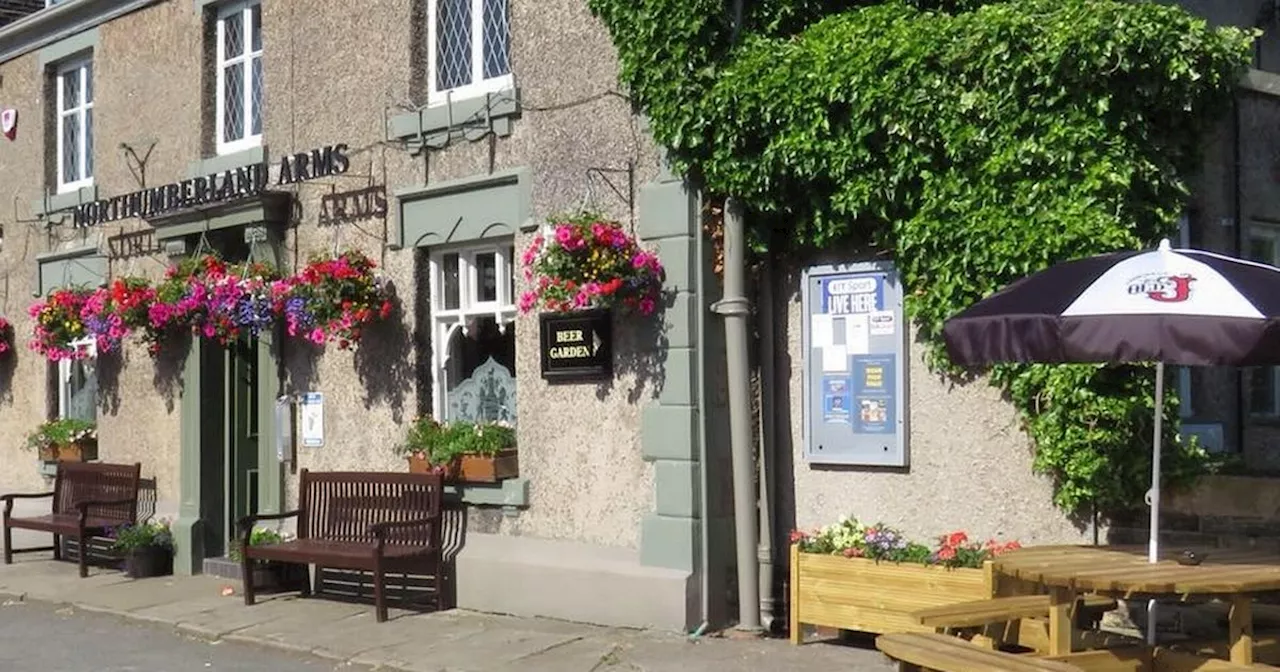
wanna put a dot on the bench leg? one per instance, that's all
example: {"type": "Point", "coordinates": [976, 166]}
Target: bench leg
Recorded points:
{"type": "Point", "coordinates": [8, 544]}
{"type": "Point", "coordinates": [81, 555]}
{"type": "Point", "coordinates": [306, 581]}
{"type": "Point", "coordinates": [379, 593]}
{"type": "Point", "coordinates": [246, 577]}
{"type": "Point", "coordinates": [57, 547]}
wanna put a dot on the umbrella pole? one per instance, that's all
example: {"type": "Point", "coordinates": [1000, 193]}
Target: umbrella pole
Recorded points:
{"type": "Point", "coordinates": [1153, 543]}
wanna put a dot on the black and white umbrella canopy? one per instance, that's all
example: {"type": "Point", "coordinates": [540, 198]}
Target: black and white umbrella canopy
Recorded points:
{"type": "Point", "coordinates": [1186, 307]}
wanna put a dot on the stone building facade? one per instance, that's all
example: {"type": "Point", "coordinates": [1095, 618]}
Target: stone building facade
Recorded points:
{"type": "Point", "coordinates": [436, 136]}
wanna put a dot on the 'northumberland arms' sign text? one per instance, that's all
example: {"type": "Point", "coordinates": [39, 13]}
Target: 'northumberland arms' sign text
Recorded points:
{"type": "Point", "coordinates": [216, 188]}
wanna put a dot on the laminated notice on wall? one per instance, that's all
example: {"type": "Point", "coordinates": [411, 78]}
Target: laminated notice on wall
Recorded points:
{"type": "Point", "coordinates": [312, 420]}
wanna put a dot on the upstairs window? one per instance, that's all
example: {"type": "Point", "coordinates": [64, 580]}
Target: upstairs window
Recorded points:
{"type": "Point", "coordinates": [1264, 381]}
{"type": "Point", "coordinates": [239, 63]}
{"type": "Point", "coordinates": [75, 124]}
{"type": "Point", "coordinates": [470, 48]}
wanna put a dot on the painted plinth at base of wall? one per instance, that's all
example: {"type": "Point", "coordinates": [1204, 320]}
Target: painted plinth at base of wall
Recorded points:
{"type": "Point", "coordinates": [577, 582]}
{"type": "Point", "coordinates": [879, 597]}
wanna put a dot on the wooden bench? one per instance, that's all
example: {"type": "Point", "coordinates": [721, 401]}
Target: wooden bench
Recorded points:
{"type": "Point", "coordinates": [1146, 659]}
{"type": "Point", "coordinates": [944, 653]}
{"type": "Point", "coordinates": [1000, 610]}
{"type": "Point", "coordinates": [89, 499]}
{"type": "Point", "coordinates": [371, 521]}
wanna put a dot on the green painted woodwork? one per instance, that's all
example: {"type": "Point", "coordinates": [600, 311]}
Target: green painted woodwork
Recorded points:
{"type": "Point", "coordinates": [667, 209]}
{"type": "Point", "coordinates": [265, 207]}
{"type": "Point", "coordinates": [476, 117]}
{"type": "Point", "coordinates": [679, 260]}
{"type": "Point", "coordinates": [678, 384]}
{"type": "Point", "coordinates": [669, 432]}
{"type": "Point", "coordinates": [71, 46]}
{"type": "Point", "coordinates": [678, 486]}
{"type": "Point", "coordinates": [81, 266]}
{"type": "Point", "coordinates": [221, 164]}
{"type": "Point", "coordinates": [53, 202]}
{"type": "Point", "coordinates": [513, 492]}
{"type": "Point", "coordinates": [189, 528]}
{"type": "Point", "coordinates": [671, 542]}
{"type": "Point", "coordinates": [473, 208]}
{"type": "Point", "coordinates": [241, 413]}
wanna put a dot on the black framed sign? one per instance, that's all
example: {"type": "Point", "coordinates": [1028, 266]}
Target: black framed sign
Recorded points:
{"type": "Point", "coordinates": [576, 346]}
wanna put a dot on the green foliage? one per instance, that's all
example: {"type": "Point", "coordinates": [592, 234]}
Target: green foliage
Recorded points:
{"type": "Point", "coordinates": [145, 535]}
{"type": "Point", "coordinates": [61, 432]}
{"type": "Point", "coordinates": [441, 443]}
{"type": "Point", "coordinates": [975, 142]}
{"type": "Point", "coordinates": [259, 536]}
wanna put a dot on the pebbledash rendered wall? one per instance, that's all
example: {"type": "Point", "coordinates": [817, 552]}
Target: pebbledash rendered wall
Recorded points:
{"type": "Point", "coordinates": [604, 523]}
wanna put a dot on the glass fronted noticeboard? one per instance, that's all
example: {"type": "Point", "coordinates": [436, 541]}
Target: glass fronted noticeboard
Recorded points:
{"type": "Point", "coordinates": [854, 340]}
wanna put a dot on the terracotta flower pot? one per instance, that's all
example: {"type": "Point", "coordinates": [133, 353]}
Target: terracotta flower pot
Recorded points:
{"type": "Point", "coordinates": [419, 464]}
{"type": "Point", "coordinates": [489, 468]}
{"type": "Point", "coordinates": [78, 451]}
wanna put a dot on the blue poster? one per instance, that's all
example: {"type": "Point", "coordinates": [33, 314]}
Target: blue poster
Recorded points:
{"type": "Point", "coordinates": [874, 396]}
{"type": "Point", "coordinates": [835, 400]}
{"type": "Point", "coordinates": [853, 294]}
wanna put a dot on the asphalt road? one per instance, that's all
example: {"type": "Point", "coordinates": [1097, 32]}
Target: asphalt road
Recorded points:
{"type": "Point", "coordinates": [37, 637]}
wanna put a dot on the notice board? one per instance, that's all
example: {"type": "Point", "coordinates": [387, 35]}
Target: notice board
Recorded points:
{"type": "Point", "coordinates": [855, 383]}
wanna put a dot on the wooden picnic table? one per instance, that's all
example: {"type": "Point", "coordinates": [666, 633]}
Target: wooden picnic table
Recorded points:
{"type": "Point", "coordinates": [1232, 575]}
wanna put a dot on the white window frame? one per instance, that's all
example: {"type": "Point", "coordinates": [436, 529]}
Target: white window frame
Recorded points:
{"type": "Point", "coordinates": [479, 86]}
{"type": "Point", "coordinates": [1272, 232]}
{"type": "Point", "coordinates": [250, 140]}
{"type": "Point", "coordinates": [64, 374]}
{"type": "Point", "coordinates": [446, 322]}
{"type": "Point", "coordinates": [79, 68]}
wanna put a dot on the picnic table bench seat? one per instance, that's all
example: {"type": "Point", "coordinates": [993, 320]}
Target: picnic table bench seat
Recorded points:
{"type": "Point", "coordinates": [999, 610]}
{"type": "Point", "coordinates": [1147, 659]}
{"type": "Point", "coordinates": [945, 653]}
{"type": "Point", "coordinates": [89, 499]}
{"type": "Point", "coordinates": [372, 521]}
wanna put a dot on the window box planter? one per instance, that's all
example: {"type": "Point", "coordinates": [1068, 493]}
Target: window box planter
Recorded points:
{"type": "Point", "coordinates": [472, 468]}
{"type": "Point", "coordinates": [877, 597]}
{"type": "Point", "coordinates": [141, 563]}
{"type": "Point", "coordinates": [78, 451]}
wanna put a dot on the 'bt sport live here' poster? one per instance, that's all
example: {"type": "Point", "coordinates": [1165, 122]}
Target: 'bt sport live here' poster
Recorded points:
{"type": "Point", "coordinates": [857, 384]}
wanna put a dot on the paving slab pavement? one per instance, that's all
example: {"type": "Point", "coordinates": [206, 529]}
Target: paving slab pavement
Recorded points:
{"type": "Point", "coordinates": [448, 641]}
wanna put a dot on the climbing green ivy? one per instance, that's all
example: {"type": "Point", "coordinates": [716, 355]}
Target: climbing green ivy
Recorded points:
{"type": "Point", "coordinates": [974, 142]}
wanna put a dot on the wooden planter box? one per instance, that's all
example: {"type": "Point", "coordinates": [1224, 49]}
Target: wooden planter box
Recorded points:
{"type": "Point", "coordinates": [83, 451]}
{"type": "Point", "coordinates": [859, 594]}
{"type": "Point", "coordinates": [474, 468]}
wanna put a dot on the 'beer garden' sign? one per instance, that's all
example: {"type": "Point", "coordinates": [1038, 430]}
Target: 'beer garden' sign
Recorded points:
{"type": "Point", "coordinates": [576, 346]}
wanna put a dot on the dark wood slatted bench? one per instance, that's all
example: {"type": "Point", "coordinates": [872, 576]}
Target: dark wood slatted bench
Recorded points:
{"type": "Point", "coordinates": [371, 521]}
{"type": "Point", "coordinates": [89, 500]}
{"type": "Point", "coordinates": [944, 653]}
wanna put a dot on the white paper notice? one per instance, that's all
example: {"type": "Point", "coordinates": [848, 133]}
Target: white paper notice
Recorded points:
{"type": "Point", "coordinates": [857, 335]}
{"type": "Point", "coordinates": [882, 323]}
{"type": "Point", "coordinates": [312, 419]}
{"type": "Point", "coordinates": [835, 359]}
{"type": "Point", "coordinates": [821, 334]}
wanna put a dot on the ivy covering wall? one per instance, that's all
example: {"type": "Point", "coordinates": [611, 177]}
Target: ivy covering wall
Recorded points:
{"type": "Point", "coordinates": [974, 142]}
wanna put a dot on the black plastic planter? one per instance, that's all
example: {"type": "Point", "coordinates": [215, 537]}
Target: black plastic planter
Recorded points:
{"type": "Point", "coordinates": [141, 563]}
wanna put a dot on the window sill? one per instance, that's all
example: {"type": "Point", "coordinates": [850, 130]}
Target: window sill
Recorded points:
{"type": "Point", "coordinates": [239, 147]}
{"type": "Point", "coordinates": [472, 119]}
{"type": "Point", "coordinates": [227, 161]}
{"type": "Point", "coordinates": [513, 493]}
{"type": "Point", "coordinates": [55, 202]}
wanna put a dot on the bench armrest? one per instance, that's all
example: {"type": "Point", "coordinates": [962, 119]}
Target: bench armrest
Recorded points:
{"type": "Point", "coordinates": [25, 495]}
{"type": "Point", "coordinates": [8, 499]}
{"type": "Point", "coordinates": [380, 530]}
{"type": "Point", "coordinates": [248, 521]}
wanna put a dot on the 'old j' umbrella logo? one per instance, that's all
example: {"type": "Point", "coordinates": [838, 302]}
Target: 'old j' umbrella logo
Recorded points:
{"type": "Point", "coordinates": [1163, 288]}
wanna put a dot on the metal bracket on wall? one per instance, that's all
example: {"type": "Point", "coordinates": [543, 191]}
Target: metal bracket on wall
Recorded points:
{"type": "Point", "coordinates": [629, 197]}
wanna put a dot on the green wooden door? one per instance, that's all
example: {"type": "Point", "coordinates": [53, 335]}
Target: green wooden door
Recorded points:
{"type": "Point", "coordinates": [242, 430]}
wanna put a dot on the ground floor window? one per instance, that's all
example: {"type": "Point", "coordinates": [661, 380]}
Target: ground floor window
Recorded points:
{"type": "Point", "coordinates": [1263, 245]}
{"type": "Point", "coordinates": [472, 322]}
{"type": "Point", "coordinates": [74, 385]}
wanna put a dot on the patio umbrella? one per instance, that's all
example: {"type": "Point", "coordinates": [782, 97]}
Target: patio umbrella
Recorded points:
{"type": "Point", "coordinates": [1180, 307]}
